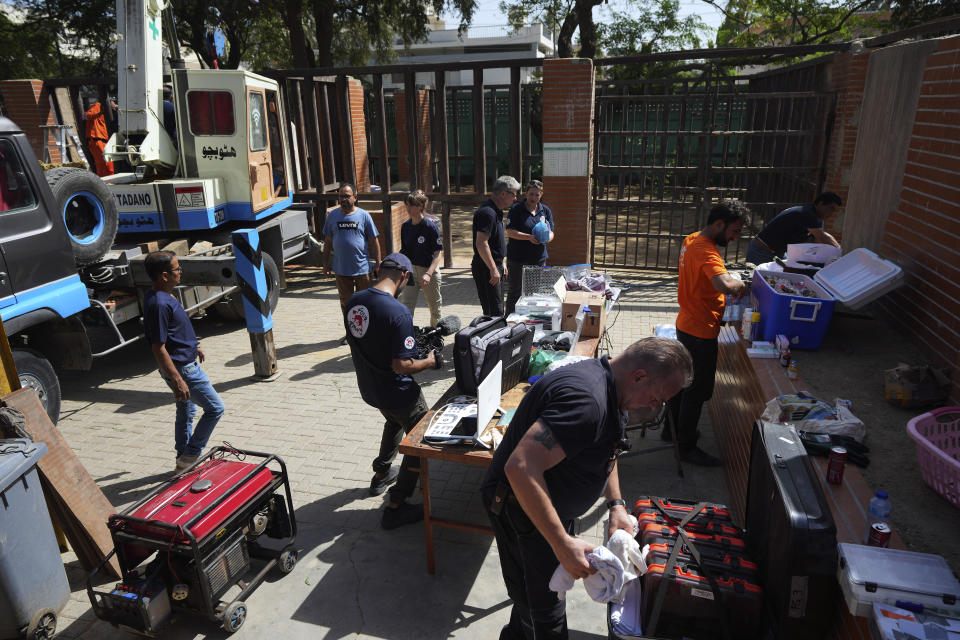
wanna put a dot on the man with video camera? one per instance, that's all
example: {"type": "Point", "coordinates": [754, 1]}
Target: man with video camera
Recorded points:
{"type": "Point", "coordinates": [384, 350]}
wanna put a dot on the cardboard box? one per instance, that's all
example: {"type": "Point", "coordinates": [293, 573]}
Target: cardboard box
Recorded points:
{"type": "Point", "coordinates": [595, 320]}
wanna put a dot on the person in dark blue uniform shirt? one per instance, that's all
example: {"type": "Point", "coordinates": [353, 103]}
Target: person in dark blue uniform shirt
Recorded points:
{"type": "Point", "coordinates": [523, 248]}
{"type": "Point", "coordinates": [793, 226]}
{"type": "Point", "coordinates": [421, 242]}
{"type": "Point", "coordinates": [178, 354]}
{"type": "Point", "coordinates": [488, 250]}
{"type": "Point", "coordinates": [558, 456]}
{"type": "Point", "coordinates": [380, 335]}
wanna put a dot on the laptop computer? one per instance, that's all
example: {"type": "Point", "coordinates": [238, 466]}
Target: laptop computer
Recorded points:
{"type": "Point", "coordinates": [461, 423]}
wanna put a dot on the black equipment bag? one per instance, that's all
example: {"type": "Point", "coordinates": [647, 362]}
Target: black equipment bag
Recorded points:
{"type": "Point", "coordinates": [488, 340]}
{"type": "Point", "coordinates": [791, 534]}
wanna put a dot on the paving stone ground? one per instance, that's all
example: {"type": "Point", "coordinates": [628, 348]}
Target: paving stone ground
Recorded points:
{"type": "Point", "coordinates": [354, 580]}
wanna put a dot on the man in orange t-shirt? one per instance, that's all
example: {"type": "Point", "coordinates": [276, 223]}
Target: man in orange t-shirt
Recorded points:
{"type": "Point", "coordinates": [97, 136]}
{"type": "Point", "coordinates": [700, 293]}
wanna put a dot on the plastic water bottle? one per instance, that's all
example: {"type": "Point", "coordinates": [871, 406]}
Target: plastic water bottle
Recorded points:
{"type": "Point", "coordinates": [878, 535]}
{"type": "Point", "coordinates": [746, 328]}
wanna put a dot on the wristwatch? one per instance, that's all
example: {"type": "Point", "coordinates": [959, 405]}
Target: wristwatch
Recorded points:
{"type": "Point", "coordinates": [613, 503]}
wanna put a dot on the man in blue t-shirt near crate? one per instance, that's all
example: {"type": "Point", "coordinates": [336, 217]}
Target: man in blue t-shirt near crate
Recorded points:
{"type": "Point", "coordinates": [794, 226]}
{"type": "Point", "coordinates": [178, 354]}
{"type": "Point", "coordinates": [384, 351]}
{"type": "Point", "coordinates": [353, 236]}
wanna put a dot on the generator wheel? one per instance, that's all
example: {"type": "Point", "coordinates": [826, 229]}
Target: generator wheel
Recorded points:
{"type": "Point", "coordinates": [36, 372]}
{"type": "Point", "coordinates": [287, 561]}
{"type": "Point", "coordinates": [234, 616]}
{"type": "Point", "coordinates": [43, 625]}
{"type": "Point", "coordinates": [88, 209]}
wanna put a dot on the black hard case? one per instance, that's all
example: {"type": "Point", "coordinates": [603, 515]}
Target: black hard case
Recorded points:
{"type": "Point", "coordinates": [512, 349]}
{"type": "Point", "coordinates": [791, 534]}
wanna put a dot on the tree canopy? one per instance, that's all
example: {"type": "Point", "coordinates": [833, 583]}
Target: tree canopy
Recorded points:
{"type": "Point", "coordinates": [755, 23]}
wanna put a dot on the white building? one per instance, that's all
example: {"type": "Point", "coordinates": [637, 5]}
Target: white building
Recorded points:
{"type": "Point", "coordinates": [477, 43]}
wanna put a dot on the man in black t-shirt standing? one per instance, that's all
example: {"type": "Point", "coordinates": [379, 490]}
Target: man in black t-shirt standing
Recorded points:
{"type": "Point", "coordinates": [558, 456]}
{"type": "Point", "coordinates": [488, 245]}
{"type": "Point", "coordinates": [380, 334]}
{"type": "Point", "coordinates": [178, 354]}
{"type": "Point", "coordinates": [793, 226]}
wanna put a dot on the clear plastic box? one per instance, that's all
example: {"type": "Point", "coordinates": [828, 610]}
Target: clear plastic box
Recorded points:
{"type": "Point", "coordinates": [876, 574]}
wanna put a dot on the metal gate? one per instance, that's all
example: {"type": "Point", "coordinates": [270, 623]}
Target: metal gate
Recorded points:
{"type": "Point", "coordinates": [666, 150]}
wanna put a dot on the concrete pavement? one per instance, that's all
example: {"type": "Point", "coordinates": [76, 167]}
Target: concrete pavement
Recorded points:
{"type": "Point", "coordinates": [354, 580]}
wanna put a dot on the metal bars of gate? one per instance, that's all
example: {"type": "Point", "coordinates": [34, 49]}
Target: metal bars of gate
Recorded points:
{"type": "Point", "coordinates": [667, 150]}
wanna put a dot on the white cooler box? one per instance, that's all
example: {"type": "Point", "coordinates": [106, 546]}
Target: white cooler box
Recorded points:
{"type": "Point", "coordinates": [859, 277]}
{"type": "Point", "coordinates": [875, 574]}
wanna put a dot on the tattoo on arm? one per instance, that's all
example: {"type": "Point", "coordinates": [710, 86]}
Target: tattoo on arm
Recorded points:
{"type": "Point", "coordinates": [545, 437]}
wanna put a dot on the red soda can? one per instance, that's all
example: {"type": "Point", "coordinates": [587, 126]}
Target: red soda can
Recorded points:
{"type": "Point", "coordinates": [879, 534]}
{"type": "Point", "coordinates": [835, 465]}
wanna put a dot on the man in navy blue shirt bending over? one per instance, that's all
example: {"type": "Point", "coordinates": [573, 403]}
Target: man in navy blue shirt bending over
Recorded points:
{"type": "Point", "coordinates": [178, 354]}
{"type": "Point", "coordinates": [380, 334]}
{"type": "Point", "coordinates": [558, 456]}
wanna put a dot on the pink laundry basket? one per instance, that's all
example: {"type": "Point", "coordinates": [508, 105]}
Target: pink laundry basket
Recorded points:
{"type": "Point", "coordinates": [937, 434]}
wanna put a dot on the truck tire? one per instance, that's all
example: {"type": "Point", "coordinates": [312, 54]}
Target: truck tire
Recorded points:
{"type": "Point", "coordinates": [232, 308]}
{"type": "Point", "coordinates": [88, 209]}
{"type": "Point", "coordinates": [36, 372]}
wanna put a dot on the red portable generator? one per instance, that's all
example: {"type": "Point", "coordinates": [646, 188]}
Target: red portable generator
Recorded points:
{"type": "Point", "coordinates": [188, 543]}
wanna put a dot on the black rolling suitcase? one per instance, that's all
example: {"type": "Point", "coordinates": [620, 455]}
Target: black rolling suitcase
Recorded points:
{"type": "Point", "coordinates": [487, 340]}
{"type": "Point", "coordinates": [791, 534]}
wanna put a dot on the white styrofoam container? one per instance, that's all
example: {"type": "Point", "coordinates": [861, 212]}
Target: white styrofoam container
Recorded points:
{"type": "Point", "coordinates": [859, 277]}
{"type": "Point", "coordinates": [812, 252]}
{"type": "Point", "coordinates": [876, 574]}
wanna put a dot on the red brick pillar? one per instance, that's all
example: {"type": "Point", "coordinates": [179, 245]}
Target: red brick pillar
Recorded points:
{"type": "Point", "coordinates": [568, 99]}
{"type": "Point", "coordinates": [358, 125]}
{"type": "Point", "coordinates": [424, 147]}
{"type": "Point", "coordinates": [28, 104]}
{"type": "Point", "coordinates": [848, 77]}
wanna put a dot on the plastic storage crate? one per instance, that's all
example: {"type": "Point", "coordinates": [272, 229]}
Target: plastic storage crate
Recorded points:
{"type": "Point", "coordinates": [804, 320]}
{"type": "Point", "coordinates": [937, 434]}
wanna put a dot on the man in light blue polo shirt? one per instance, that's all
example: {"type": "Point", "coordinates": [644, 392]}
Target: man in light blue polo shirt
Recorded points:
{"type": "Point", "coordinates": [353, 236]}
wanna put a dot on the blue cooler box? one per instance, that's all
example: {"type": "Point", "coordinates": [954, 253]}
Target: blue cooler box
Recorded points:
{"type": "Point", "coordinates": [804, 320]}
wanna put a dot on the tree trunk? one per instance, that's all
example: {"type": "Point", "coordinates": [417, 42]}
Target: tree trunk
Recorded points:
{"type": "Point", "coordinates": [323, 17]}
{"type": "Point", "coordinates": [588, 30]}
{"type": "Point", "coordinates": [565, 37]}
{"type": "Point", "coordinates": [302, 53]}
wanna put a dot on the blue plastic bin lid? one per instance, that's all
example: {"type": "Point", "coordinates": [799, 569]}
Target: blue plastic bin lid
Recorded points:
{"type": "Point", "coordinates": [17, 456]}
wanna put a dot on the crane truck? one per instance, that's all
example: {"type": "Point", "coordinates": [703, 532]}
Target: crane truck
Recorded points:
{"type": "Point", "coordinates": [72, 245]}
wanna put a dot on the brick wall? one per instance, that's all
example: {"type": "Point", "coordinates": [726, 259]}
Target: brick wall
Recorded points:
{"type": "Point", "coordinates": [358, 124]}
{"type": "Point", "coordinates": [923, 234]}
{"type": "Point", "coordinates": [848, 77]}
{"type": "Point", "coordinates": [568, 103]}
{"type": "Point", "coordinates": [424, 148]}
{"type": "Point", "coordinates": [28, 104]}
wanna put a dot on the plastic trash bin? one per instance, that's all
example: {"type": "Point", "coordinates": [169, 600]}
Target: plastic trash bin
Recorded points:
{"type": "Point", "coordinates": [33, 583]}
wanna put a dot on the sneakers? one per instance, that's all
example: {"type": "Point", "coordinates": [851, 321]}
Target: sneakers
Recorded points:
{"type": "Point", "coordinates": [185, 461]}
{"type": "Point", "coordinates": [699, 457]}
{"type": "Point", "coordinates": [402, 515]}
{"type": "Point", "coordinates": [379, 485]}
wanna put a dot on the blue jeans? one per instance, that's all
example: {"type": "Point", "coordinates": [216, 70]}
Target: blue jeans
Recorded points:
{"type": "Point", "coordinates": [190, 440]}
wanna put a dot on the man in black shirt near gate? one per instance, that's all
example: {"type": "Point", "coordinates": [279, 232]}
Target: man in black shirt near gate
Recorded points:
{"type": "Point", "coordinates": [558, 456]}
{"type": "Point", "coordinates": [380, 334]}
{"type": "Point", "coordinates": [488, 245]}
